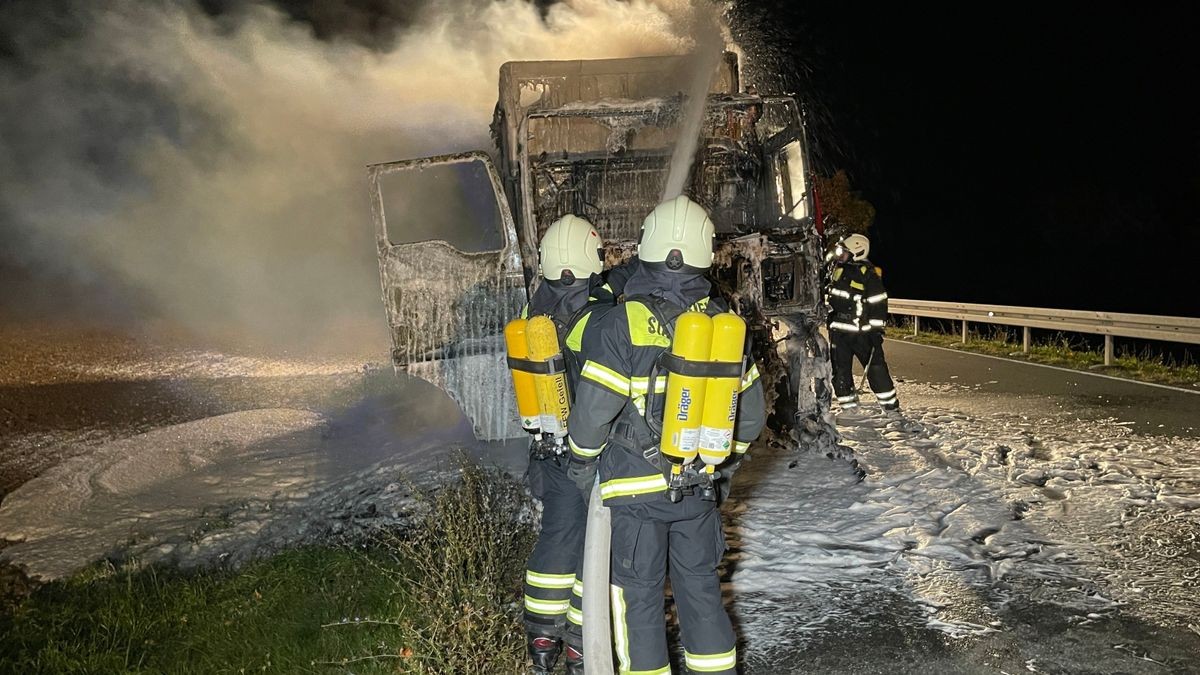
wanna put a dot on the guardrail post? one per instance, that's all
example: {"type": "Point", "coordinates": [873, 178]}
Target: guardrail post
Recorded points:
{"type": "Point", "coordinates": [916, 325]}
{"type": "Point", "coordinates": [964, 335]}
{"type": "Point", "coordinates": [1025, 340]}
{"type": "Point", "coordinates": [1108, 350]}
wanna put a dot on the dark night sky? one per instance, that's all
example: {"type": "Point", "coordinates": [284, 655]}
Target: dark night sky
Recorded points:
{"type": "Point", "coordinates": [1026, 156]}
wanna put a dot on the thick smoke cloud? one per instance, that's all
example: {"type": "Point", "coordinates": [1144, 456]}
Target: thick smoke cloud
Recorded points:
{"type": "Point", "coordinates": [204, 165]}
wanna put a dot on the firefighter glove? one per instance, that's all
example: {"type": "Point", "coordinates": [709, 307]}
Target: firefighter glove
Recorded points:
{"type": "Point", "coordinates": [726, 481]}
{"type": "Point", "coordinates": [583, 474]}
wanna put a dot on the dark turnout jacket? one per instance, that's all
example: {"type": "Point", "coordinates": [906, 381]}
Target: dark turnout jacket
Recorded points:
{"type": "Point", "coordinates": [619, 350]}
{"type": "Point", "coordinates": [570, 306]}
{"type": "Point", "coordinates": [856, 297]}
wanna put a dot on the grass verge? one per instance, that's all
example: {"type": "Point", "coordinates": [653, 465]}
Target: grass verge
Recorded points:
{"type": "Point", "coordinates": [440, 598]}
{"type": "Point", "coordinates": [1145, 367]}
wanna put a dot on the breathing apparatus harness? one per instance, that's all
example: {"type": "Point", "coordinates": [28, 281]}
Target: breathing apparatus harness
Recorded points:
{"type": "Point", "coordinates": [539, 368]}
{"type": "Point", "coordinates": [687, 468]}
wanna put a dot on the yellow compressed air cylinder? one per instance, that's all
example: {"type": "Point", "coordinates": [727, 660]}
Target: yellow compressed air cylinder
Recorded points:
{"type": "Point", "coordinates": [523, 384]}
{"type": "Point", "coordinates": [554, 403]}
{"type": "Point", "coordinates": [721, 395]}
{"type": "Point", "coordinates": [684, 404]}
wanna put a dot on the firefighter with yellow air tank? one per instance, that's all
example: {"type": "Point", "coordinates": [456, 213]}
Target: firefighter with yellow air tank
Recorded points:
{"type": "Point", "coordinates": [667, 405]}
{"type": "Point", "coordinates": [542, 347]}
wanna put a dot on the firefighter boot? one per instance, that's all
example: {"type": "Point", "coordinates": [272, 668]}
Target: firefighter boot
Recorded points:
{"type": "Point", "coordinates": [574, 661]}
{"type": "Point", "coordinates": [849, 411]}
{"type": "Point", "coordinates": [543, 652]}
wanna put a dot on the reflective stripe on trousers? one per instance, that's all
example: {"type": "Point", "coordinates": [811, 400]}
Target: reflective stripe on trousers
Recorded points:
{"type": "Point", "coordinates": [550, 571]}
{"type": "Point", "coordinates": [650, 540]}
{"type": "Point", "coordinates": [573, 635]}
{"type": "Point", "coordinates": [867, 348]}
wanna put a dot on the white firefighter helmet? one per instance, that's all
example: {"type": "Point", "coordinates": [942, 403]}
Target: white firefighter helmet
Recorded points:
{"type": "Point", "coordinates": [571, 246]}
{"type": "Point", "coordinates": [678, 234]}
{"type": "Point", "coordinates": [857, 246]}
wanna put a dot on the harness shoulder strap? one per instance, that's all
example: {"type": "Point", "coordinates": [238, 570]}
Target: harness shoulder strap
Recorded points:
{"type": "Point", "coordinates": [717, 369]}
{"type": "Point", "coordinates": [552, 366]}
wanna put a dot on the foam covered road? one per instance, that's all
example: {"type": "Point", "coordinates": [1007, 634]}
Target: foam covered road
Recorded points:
{"type": "Point", "coordinates": [1044, 522]}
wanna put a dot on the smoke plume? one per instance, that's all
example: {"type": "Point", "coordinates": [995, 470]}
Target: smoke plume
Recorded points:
{"type": "Point", "coordinates": [160, 161]}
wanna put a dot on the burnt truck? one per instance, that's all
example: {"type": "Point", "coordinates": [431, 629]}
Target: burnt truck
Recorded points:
{"type": "Point", "coordinates": [458, 234]}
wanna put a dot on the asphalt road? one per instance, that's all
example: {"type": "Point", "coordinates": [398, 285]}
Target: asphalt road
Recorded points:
{"type": "Point", "coordinates": [1018, 386]}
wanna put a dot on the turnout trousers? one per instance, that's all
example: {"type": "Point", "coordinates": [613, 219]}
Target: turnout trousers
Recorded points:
{"type": "Point", "coordinates": [686, 538]}
{"type": "Point", "coordinates": [867, 347]}
{"type": "Point", "coordinates": [553, 595]}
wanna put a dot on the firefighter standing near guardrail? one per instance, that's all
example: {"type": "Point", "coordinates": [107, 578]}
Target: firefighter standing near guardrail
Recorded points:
{"type": "Point", "coordinates": [570, 261]}
{"type": "Point", "coordinates": [660, 480]}
{"type": "Point", "coordinates": [858, 316]}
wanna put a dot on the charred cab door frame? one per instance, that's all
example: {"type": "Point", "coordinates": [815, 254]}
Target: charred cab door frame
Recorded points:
{"type": "Point", "coordinates": [507, 260]}
{"type": "Point", "coordinates": [772, 146]}
{"type": "Point", "coordinates": [447, 308]}
{"type": "Point", "coordinates": [509, 254]}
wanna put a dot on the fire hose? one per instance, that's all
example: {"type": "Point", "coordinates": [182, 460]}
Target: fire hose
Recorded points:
{"type": "Point", "coordinates": [597, 624]}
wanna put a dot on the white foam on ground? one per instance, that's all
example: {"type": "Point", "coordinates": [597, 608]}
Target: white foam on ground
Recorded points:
{"type": "Point", "coordinates": [948, 529]}
{"type": "Point", "coordinates": [88, 505]}
{"type": "Point", "coordinates": [978, 512]}
{"type": "Point", "coordinates": [225, 488]}
{"type": "Point", "coordinates": [209, 364]}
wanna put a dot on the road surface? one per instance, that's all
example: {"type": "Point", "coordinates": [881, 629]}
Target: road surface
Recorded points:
{"type": "Point", "coordinates": [1024, 387]}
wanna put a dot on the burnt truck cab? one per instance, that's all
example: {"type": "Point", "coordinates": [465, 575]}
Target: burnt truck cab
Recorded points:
{"type": "Point", "coordinates": [596, 139]}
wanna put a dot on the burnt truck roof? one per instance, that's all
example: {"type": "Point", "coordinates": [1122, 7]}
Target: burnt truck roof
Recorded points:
{"type": "Point", "coordinates": [539, 85]}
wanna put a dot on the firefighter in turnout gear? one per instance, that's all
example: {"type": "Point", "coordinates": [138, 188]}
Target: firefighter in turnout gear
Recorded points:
{"type": "Point", "coordinates": [857, 317]}
{"type": "Point", "coordinates": [613, 430]}
{"type": "Point", "coordinates": [571, 261]}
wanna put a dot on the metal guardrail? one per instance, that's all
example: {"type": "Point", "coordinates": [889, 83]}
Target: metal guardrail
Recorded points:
{"type": "Point", "coordinates": [1108, 324]}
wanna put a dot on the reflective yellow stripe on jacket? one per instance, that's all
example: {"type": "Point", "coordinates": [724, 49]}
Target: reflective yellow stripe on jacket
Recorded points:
{"type": "Point", "coordinates": [749, 378]}
{"type": "Point", "coordinates": [581, 451]}
{"type": "Point", "coordinates": [575, 337]}
{"type": "Point", "coordinates": [606, 377]}
{"type": "Point", "coordinates": [634, 485]}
